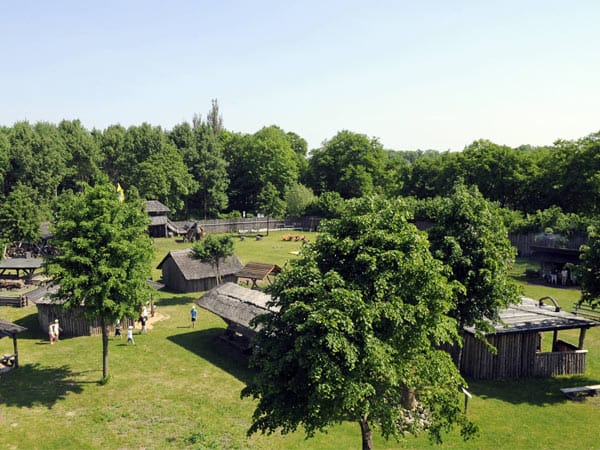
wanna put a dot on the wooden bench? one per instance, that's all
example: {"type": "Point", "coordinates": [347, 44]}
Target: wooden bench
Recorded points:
{"type": "Point", "coordinates": [576, 393]}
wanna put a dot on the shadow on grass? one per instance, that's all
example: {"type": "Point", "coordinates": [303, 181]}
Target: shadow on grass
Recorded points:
{"type": "Point", "coordinates": [175, 299]}
{"type": "Point", "coordinates": [208, 345]}
{"type": "Point", "coordinates": [33, 385]}
{"type": "Point", "coordinates": [33, 327]}
{"type": "Point", "coordinates": [533, 391]}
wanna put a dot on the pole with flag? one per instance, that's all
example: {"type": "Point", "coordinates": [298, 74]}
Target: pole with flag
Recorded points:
{"type": "Point", "coordinates": [121, 193]}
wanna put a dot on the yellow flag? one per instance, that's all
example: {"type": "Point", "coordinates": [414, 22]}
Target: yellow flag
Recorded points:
{"type": "Point", "coordinates": [121, 193]}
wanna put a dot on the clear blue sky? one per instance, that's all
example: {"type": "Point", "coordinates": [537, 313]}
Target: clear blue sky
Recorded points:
{"type": "Point", "coordinates": [415, 74]}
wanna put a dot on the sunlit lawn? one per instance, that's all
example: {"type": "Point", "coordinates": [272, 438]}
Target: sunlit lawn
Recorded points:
{"type": "Point", "coordinates": [180, 387]}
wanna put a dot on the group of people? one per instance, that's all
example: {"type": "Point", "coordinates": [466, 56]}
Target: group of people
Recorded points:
{"type": "Point", "coordinates": [54, 328]}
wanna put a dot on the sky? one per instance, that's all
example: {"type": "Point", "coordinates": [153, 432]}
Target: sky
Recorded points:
{"type": "Point", "coordinates": [413, 74]}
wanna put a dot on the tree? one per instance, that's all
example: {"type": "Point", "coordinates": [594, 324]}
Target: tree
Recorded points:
{"type": "Point", "coordinates": [269, 203]}
{"type": "Point", "coordinates": [214, 118]}
{"type": "Point", "coordinates": [297, 199]}
{"type": "Point", "coordinates": [211, 249]}
{"type": "Point", "coordinates": [470, 237]}
{"type": "Point", "coordinates": [349, 163]}
{"type": "Point", "coordinates": [588, 273]}
{"type": "Point", "coordinates": [104, 256]}
{"type": "Point", "coordinates": [360, 317]}
{"type": "Point", "coordinates": [21, 215]}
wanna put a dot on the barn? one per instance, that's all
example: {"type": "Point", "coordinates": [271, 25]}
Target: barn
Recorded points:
{"type": "Point", "coordinates": [518, 340]}
{"type": "Point", "coordinates": [181, 272]}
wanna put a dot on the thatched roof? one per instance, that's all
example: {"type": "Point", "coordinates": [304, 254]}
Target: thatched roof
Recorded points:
{"type": "Point", "coordinates": [235, 303]}
{"type": "Point", "coordinates": [258, 271]}
{"type": "Point", "coordinates": [530, 315]}
{"type": "Point", "coordinates": [194, 269]}
{"type": "Point", "coordinates": [154, 206]}
{"type": "Point", "coordinates": [9, 329]}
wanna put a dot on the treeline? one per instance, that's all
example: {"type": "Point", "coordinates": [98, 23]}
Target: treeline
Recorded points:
{"type": "Point", "coordinates": [202, 170]}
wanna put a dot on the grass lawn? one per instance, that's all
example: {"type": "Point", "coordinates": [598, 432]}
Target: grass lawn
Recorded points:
{"type": "Point", "coordinates": [180, 387]}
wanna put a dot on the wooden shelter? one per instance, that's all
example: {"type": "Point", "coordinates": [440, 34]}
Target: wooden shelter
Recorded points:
{"type": "Point", "coordinates": [237, 306]}
{"type": "Point", "coordinates": [72, 321]}
{"type": "Point", "coordinates": [517, 338]}
{"type": "Point", "coordinates": [9, 329]}
{"type": "Point", "coordinates": [254, 272]}
{"type": "Point", "coordinates": [553, 260]}
{"type": "Point", "coordinates": [181, 272]}
{"type": "Point", "coordinates": [27, 265]}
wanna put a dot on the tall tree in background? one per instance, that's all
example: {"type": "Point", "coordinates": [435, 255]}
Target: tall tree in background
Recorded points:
{"type": "Point", "coordinates": [214, 118]}
{"type": "Point", "coordinates": [588, 273]}
{"type": "Point", "coordinates": [360, 317]}
{"type": "Point", "coordinates": [85, 157]}
{"type": "Point", "coordinates": [270, 203]}
{"type": "Point", "coordinates": [104, 258]}
{"type": "Point", "coordinates": [297, 199]}
{"type": "Point", "coordinates": [349, 163]}
{"type": "Point", "coordinates": [21, 215]}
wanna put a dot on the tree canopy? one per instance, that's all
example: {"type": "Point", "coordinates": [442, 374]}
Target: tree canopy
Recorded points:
{"type": "Point", "coordinates": [104, 256]}
{"type": "Point", "coordinates": [212, 249]}
{"type": "Point", "coordinates": [361, 315]}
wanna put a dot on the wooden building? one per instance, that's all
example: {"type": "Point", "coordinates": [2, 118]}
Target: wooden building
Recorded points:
{"type": "Point", "coordinates": [181, 272]}
{"type": "Point", "coordinates": [518, 338]}
{"type": "Point", "coordinates": [159, 221]}
{"type": "Point", "coordinates": [72, 322]}
{"type": "Point", "coordinates": [254, 272]}
{"type": "Point", "coordinates": [554, 260]}
{"type": "Point", "coordinates": [237, 306]}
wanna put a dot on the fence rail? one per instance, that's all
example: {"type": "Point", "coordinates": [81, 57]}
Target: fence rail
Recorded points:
{"type": "Point", "coordinates": [560, 363]}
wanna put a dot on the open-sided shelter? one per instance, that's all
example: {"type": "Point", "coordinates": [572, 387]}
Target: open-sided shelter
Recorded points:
{"type": "Point", "coordinates": [237, 306]}
{"type": "Point", "coordinates": [517, 338]}
{"type": "Point", "coordinates": [9, 329]}
{"type": "Point", "coordinates": [182, 272]}
{"type": "Point", "coordinates": [255, 271]}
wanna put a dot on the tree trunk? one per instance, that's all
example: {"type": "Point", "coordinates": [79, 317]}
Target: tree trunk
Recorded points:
{"type": "Point", "coordinates": [367, 435]}
{"type": "Point", "coordinates": [409, 400]}
{"type": "Point", "coordinates": [104, 348]}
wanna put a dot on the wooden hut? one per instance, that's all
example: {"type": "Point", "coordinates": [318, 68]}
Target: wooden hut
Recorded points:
{"type": "Point", "coordinates": [254, 272]}
{"type": "Point", "coordinates": [72, 321]}
{"type": "Point", "coordinates": [158, 218]}
{"type": "Point", "coordinates": [9, 329]}
{"type": "Point", "coordinates": [181, 272]}
{"type": "Point", "coordinates": [237, 306]}
{"type": "Point", "coordinates": [554, 260]}
{"type": "Point", "coordinates": [517, 338]}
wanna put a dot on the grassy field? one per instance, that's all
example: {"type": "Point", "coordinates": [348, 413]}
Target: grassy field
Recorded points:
{"type": "Point", "coordinates": [180, 387]}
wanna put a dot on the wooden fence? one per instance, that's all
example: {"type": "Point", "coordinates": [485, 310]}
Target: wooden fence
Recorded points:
{"type": "Point", "coordinates": [560, 363]}
{"type": "Point", "coordinates": [19, 301]}
{"type": "Point", "coordinates": [254, 224]}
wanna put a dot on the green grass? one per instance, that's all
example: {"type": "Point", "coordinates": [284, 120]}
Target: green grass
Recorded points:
{"type": "Point", "coordinates": [180, 388]}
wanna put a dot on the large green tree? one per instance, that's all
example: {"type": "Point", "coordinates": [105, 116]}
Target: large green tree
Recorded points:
{"type": "Point", "coordinates": [358, 323]}
{"type": "Point", "coordinates": [589, 271]}
{"type": "Point", "coordinates": [21, 215]}
{"type": "Point", "coordinates": [470, 237]}
{"type": "Point", "coordinates": [104, 256]}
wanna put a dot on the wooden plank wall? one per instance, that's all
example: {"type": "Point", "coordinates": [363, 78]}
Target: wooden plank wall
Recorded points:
{"type": "Point", "coordinates": [560, 363]}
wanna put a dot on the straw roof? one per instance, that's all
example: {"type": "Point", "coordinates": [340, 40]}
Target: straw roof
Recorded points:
{"type": "Point", "coordinates": [258, 271]}
{"type": "Point", "coordinates": [154, 206]}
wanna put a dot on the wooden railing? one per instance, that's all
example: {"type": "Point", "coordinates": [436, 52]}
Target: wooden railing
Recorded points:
{"type": "Point", "coordinates": [560, 363]}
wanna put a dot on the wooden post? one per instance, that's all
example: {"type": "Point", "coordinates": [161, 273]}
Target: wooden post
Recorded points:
{"type": "Point", "coordinates": [554, 339]}
{"type": "Point", "coordinates": [581, 338]}
{"type": "Point", "coordinates": [16, 351]}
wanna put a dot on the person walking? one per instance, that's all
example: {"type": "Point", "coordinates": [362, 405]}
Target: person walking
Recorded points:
{"type": "Point", "coordinates": [57, 330]}
{"type": "Point", "coordinates": [130, 335]}
{"type": "Point", "coordinates": [51, 334]}
{"type": "Point", "coordinates": [194, 315]}
{"type": "Point", "coordinates": [118, 329]}
{"type": "Point", "coordinates": [143, 320]}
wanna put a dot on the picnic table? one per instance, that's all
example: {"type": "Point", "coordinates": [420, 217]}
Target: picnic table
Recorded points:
{"type": "Point", "coordinates": [575, 393]}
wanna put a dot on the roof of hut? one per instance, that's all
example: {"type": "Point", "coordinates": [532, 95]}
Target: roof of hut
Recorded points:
{"type": "Point", "coordinates": [9, 329]}
{"type": "Point", "coordinates": [258, 271]}
{"type": "Point", "coordinates": [235, 303]}
{"type": "Point", "coordinates": [21, 263]}
{"type": "Point", "coordinates": [42, 295]}
{"type": "Point", "coordinates": [534, 315]}
{"type": "Point", "coordinates": [154, 206]}
{"type": "Point", "coordinates": [158, 220]}
{"type": "Point", "coordinates": [194, 269]}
